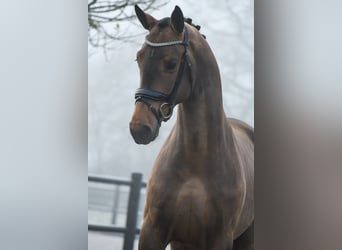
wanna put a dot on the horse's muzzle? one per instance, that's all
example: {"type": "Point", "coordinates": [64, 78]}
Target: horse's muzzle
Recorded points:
{"type": "Point", "coordinates": [142, 134]}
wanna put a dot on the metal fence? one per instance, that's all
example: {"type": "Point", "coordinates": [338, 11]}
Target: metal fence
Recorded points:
{"type": "Point", "coordinates": [135, 185]}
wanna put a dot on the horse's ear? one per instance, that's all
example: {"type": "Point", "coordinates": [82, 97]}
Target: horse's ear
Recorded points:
{"type": "Point", "coordinates": [146, 20]}
{"type": "Point", "coordinates": [177, 20]}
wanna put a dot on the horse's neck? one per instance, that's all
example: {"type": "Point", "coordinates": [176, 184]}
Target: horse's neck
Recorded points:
{"type": "Point", "coordinates": [201, 122]}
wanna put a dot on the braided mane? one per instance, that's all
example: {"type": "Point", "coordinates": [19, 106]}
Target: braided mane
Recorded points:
{"type": "Point", "coordinates": [198, 27]}
{"type": "Point", "coordinates": [166, 21]}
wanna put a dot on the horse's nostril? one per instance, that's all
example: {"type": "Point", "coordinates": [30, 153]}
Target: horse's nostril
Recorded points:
{"type": "Point", "coordinates": [142, 134]}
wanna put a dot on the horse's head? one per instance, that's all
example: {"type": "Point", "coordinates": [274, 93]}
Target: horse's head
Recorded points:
{"type": "Point", "coordinates": [165, 73]}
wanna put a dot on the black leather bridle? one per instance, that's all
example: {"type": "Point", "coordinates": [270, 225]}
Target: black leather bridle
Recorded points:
{"type": "Point", "coordinates": [165, 110]}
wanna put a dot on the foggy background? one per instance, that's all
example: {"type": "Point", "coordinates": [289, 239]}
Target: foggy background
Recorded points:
{"type": "Point", "coordinates": [43, 135]}
{"type": "Point", "coordinates": [113, 77]}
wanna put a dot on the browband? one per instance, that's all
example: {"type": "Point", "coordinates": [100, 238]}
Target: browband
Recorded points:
{"type": "Point", "coordinates": [170, 43]}
{"type": "Point", "coordinates": [163, 44]}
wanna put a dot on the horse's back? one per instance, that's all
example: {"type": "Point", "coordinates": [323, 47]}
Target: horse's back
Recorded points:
{"type": "Point", "coordinates": [243, 127]}
{"type": "Point", "coordinates": [244, 141]}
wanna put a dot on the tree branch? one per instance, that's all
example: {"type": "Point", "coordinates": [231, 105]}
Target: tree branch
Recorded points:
{"type": "Point", "coordinates": [102, 12]}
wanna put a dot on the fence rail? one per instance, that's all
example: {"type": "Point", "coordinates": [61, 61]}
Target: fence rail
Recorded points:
{"type": "Point", "coordinates": [115, 181]}
{"type": "Point", "coordinates": [136, 184]}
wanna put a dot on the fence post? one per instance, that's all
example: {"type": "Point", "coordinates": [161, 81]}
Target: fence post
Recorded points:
{"type": "Point", "coordinates": [115, 204]}
{"type": "Point", "coordinates": [132, 213]}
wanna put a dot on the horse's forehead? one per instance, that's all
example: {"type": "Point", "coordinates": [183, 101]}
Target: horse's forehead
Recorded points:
{"type": "Point", "coordinates": [163, 35]}
{"type": "Point", "coordinates": [162, 32]}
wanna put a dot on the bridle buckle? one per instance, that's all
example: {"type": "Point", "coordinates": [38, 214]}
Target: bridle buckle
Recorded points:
{"type": "Point", "coordinates": [165, 111]}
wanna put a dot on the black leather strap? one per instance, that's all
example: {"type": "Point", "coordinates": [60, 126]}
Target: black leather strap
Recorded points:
{"type": "Point", "coordinates": [151, 94]}
{"type": "Point", "coordinates": [149, 105]}
{"type": "Point", "coordinates": [172, 95]}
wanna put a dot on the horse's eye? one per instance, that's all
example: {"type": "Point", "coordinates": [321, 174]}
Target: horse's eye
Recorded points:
{"type": "Point", "coordinates": [170, 65]}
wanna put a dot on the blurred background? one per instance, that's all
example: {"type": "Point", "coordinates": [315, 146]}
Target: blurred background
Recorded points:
{"type": "Point", "coordinates": [115, 35]}
{"type": "Point", "coordinates": [43, 107]}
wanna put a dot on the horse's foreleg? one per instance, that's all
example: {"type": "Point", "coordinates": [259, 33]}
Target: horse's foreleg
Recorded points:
{"type": "Point", "coordinates": [222, 243]}
{"type": "Point", "coordinates": [246, 240]}
{"type": "Point", "coordinates": [150, 238]}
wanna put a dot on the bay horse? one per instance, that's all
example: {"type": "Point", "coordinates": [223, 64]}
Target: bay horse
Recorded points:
{"type": "Point", "coordinates": [200, 192]}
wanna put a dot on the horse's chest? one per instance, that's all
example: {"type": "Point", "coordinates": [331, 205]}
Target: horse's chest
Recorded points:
{"type": "Point", "coordinates": [191, 199]}
{"type": "Point", "coordinates": [192, 210]}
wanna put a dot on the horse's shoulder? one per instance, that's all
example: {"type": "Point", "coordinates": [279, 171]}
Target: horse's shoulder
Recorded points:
{"type": "Point", "coordinates": [242, 126]}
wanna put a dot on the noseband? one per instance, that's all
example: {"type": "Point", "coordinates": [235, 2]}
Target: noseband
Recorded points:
{"type": "Point", "coordinates": [165, 110]}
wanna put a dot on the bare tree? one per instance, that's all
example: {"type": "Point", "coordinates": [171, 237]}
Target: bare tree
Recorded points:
{"type": "Point", "coordinates": [105, 16]}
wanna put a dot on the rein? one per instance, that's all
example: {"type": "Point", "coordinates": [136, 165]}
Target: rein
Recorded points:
{"type": "Point", "coordinates": [165, 110]}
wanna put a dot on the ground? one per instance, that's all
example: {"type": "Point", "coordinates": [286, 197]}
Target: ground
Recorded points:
{"type": "Point", "coordinates": [107, 241]}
